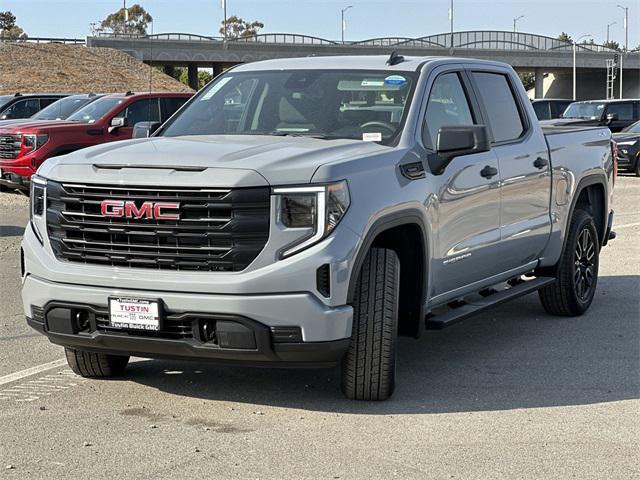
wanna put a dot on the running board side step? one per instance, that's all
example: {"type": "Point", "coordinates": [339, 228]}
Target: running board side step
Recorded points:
{"type": "Point", "coordinates": [471, 307]}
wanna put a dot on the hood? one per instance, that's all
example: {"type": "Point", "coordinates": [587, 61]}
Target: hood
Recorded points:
{"type": "Point", "coordinates": [625, 137]}
{"type": "Point", "coordinates": [214, 161]}
{"type": "Point", "coordinates": [28, 124]}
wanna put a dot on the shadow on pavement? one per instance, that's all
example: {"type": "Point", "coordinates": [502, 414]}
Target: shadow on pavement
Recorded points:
{"type": "Point", "coordinates": [514, 356]}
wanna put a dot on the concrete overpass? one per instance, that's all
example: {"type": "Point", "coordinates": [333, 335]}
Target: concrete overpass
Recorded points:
{"type": "Point", "coordinates": [541, 55]}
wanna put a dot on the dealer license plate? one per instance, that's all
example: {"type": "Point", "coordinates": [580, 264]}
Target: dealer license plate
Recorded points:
{"type": "Point", "coordinates": [134, 313]}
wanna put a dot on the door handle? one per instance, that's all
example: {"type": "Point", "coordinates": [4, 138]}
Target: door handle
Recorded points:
{"type": "Point", "coordinates": [540, 163]}
{"type": "Point", "coordinates": [488, 172]}
{"type": "Point", "coordinates": [413, 171]}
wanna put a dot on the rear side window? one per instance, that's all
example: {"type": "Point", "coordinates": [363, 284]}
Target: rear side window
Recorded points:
{"type": "Point", "coordinates": [448, 107]}
{"type": "Point", "coordinates": [171, 105]}
{"type": "Point", "coordinates": [542, 110]}
{"type": "Point", "coordinates": [623, 110]}
{"type": "Point", "coordinates": [146, 110]}
{"type": "Point", "coordinates": [500, 103]}
{"type": "Point", "coordinates": [45, 102]}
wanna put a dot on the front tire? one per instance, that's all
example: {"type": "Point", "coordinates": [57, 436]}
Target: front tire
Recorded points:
{"type": "Point", "coordinates": [577, 273]}
{"type": "Point", "coordinates": [95, 365]}
{"type": "Point", "coordinates": [368, 368]}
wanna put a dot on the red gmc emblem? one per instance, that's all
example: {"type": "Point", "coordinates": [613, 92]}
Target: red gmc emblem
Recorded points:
{"type": "Point", "coordinates": [129, 209]}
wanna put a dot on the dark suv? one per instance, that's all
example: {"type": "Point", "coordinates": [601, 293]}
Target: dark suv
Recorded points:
{"type": "Point", "coordinates": [24, 106]}
{"type": "Point", "coordinates": [615, 114]}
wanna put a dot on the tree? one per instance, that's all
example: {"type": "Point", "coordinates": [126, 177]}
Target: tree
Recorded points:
{"type": "Point", "coordinates": [565, 37]}
{"type": "Point", "coordinates": [8, 27]}
{"type": "Point", "coordinates": [528, 79]}
{"type": "Point", "coordinates": [612, 45]}
{"type": "Point", "coordinates": [203, 77]}
{"type": "Point", "coordinates": [238, 28]}
{"type": "Point", "coordinates": [138, 20]}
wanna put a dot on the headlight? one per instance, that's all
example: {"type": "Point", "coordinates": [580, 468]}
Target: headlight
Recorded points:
{"type": "Point", "coordinates": [38, 200]}
{"type": "Point", "coordinates": [315, 210]}
{"type": "Point", "coordinates": [32, 142]}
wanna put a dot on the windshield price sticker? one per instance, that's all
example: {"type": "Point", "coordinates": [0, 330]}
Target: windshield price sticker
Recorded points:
{"type": "Point", "coordinates": [372, 137]}
{"type": "Point", "coordinates": [134, 313]}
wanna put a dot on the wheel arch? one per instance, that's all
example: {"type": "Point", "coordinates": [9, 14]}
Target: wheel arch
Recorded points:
{"type": "Point", "coordinates": [591, 192]}
{"type": "Point", "coordinates": [405, 233]}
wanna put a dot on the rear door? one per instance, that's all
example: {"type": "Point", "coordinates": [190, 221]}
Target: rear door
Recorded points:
{"type": "Point", "coordinates": [467, 197]}
{"type": "Point", "coordinates": [525, 169]}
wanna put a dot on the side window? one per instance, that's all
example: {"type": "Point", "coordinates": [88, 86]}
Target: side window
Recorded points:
{"type": "Point", "coordinates": [500, 103]}
{"type": "Point", "coordinates": [447, 106]}
{"type": "Point", "coordinates": [146, 110]}
{"type": "Point", "coordinates": [22, 109]}
{"type": "Point", "coordinates": [171, 105]}
{"type": "Point", "coordinates": [45, 102]}
{"type": "Point", "coordinates": [623, 110]}
{"type": "Point", "coordinates": [542, 110]}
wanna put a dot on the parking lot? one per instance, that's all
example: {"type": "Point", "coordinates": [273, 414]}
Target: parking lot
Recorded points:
{"type": "Point", "coordinates": [512, 393]}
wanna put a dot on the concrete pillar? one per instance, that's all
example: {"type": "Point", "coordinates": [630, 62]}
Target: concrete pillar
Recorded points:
{"type": "Point", "coordinates": [218, 68]}
{"type": "Point", "coordinates": [169, 70]}
{"type": "Point", "coordinates": [539, 83]}
{"type": "Point", "coordinates": [192, 70]}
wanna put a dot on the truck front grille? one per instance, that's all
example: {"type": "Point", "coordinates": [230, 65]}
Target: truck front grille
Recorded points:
{"type": "Point", "coordinates": [9, 146]}
{"type": "Point", "coordinates": [220, 230]}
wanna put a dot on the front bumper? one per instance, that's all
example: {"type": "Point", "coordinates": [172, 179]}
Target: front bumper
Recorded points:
{"type": "Point", "coordinates": [322, 340]}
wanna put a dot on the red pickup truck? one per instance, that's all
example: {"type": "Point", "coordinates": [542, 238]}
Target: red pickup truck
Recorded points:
{"type": "Point", "coordinates": [25, 146]}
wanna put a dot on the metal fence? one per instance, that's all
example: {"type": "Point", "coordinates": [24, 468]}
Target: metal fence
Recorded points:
{"type": "Point", "coordinates": [481, 39]}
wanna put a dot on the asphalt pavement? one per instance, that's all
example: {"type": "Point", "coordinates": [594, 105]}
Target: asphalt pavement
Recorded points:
{"type": "Point", "coordinates": [513, 393]}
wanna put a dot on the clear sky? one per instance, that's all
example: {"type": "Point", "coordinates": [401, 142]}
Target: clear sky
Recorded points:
{"type": "Point", "coordinates": [367, 18]}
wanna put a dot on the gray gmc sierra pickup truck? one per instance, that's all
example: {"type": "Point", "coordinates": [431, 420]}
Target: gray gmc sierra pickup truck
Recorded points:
{"type": "Point", "coordinates": [305, 212]}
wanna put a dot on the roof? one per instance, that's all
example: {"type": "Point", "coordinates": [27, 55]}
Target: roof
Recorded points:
{"type": "Point", "coordinates": [359, 62]}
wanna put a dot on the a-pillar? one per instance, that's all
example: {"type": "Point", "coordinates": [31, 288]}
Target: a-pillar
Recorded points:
{"type": "Point", "coordinates": [192, 71]}
{"type": "Point", "coordinates": [539, 83]}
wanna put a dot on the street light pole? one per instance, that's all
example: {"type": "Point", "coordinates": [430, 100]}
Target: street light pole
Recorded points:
{"type": "Point", "coordinates": [224, 22]}
{"type": "Point", "coordinates": [626, 42]}
{"type": "Point", "coordinates": [515, 23]}
{"type": "Point", "coordinates": [575, 47]}
{"type": "Point", "coordinates": [626, 27]}
{"type": "Point", "coordinates": [451, 21]}
{"type": "Point", "coordinates": [609, 25]}
{"type": "Point", "coordinates": [343, 25]}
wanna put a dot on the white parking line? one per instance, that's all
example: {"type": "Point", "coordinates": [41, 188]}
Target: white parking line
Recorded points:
{"type": "Point", "coordinates": [12, 377]}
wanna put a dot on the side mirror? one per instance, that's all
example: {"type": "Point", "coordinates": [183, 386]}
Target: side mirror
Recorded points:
{"type": "Point", "coordinates": [145, 129]}
{"type": "Point", "coordinates": [456, 142]}
{"type": "Point", "coordinates": [611, 117]}
{"type": "Point", "coordinates": [116, 123]}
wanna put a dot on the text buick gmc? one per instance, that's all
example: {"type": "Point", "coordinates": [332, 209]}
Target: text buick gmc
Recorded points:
{"type": "Point", "coordinates": [304, 212]}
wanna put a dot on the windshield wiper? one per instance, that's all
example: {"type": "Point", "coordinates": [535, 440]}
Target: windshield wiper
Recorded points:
{"type": "Point", "coordinates": [298, 134]}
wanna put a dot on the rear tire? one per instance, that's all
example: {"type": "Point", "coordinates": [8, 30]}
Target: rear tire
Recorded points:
{"type": "Point", "coordinates": [577, 271]}
{"type": "Point", "coordinates": [368, 368]}
{"type": "Point", "coordinates": [95, 365]}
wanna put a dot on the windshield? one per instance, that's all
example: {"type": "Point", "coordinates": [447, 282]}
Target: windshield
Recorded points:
{"type": "Point", "coordinates": [62, 108]}
{"type": "Point", "coordinates": [587, 111]}
{"type": "Point", "coordinates": [4, 99]}
{"type": "Point", "coordinates": [634, 128]}
{"type": "Point", "coordinates": [95, 110]}
{"type": "Point", "coordinates": [328, 104]}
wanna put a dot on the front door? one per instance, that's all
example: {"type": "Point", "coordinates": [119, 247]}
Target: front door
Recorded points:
{"type": "Point", "coordinates": [467, 200]}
